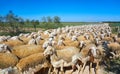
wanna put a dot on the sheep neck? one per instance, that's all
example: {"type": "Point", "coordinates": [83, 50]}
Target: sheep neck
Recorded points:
{"type": "Point", "coordinates": [54, 57]}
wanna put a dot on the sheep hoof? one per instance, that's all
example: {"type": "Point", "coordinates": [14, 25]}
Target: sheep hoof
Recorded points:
{"type": "Point", "coordinates": [53, 73]}
{"type": "Point", "coordinates": [62, 72]}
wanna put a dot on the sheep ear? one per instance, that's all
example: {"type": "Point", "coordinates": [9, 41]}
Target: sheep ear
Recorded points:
{"type": "Point", "coordinates": [98, 51]}
{"type": "Point", "coordinates": [85, 44]}
{"type": "Point", "coordinates": [89, 52]}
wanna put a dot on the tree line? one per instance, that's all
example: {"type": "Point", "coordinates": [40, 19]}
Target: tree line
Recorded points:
{"type": "Point", "coordinates": [14, 24]}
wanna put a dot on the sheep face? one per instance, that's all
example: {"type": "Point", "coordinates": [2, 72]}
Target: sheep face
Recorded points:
{"type": "Point", "coordinates": [93, 51]}
{"type": "Point", "coordinates": [82, 43]}
{"type": "Point", "coordinates": [3, 48]}
{"type": "Point", "coordinates": [48, 51]}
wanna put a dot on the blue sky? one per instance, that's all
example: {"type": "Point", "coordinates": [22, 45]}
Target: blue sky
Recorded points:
{"type": "Point", "coordinates": [67, 10]}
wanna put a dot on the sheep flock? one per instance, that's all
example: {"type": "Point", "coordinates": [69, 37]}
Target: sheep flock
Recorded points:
{"type": "Point", "coordinates": [84, 49]}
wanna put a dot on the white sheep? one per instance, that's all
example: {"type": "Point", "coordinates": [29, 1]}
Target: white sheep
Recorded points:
{"type": "Point", "coordinates": [32, 42]}
{"type": "Point", "coordinates": [4, 48]}
{"type": "Point", "coordinates": [61, 58]}
{"type": "Point", "coordinates": [74, 38]}
{"type": "Point", "coordinates": [60, 42]}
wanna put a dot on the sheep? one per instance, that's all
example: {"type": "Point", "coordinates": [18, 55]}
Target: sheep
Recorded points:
{"type": "Point", "coordinates": [80, 33]}
{"type": "Point", "coordinates": [60, 42]}
{"type": "Point", "coordinates": [32, 42]}
{"type": "Point", "coordinates": [38, 61]}
{"type": "Point", "coordinates": [81, 38]}
{"type": "Point", "coordinates": [10, 70]}
{"type": "Point", "coordinates": [47, 32]}
{"type": "Point", "coordinates": [7, 60]}
{"type": "Point", "coordinates": [109, 39]}
{"type": "Point", "coordinates": [69, 42]}
{"type": "Point", "coordinates": [81, 44]}
{"type": "Point", "coordinates": [116, 39]}
{"type": "Point", "coordinates": [74, 38]}
{"type": "Point", "coordinates": [38, 40]}
{"type": "Point", "coordinates": [102, 36]}
{"type": "Point", "coordinates": [97, 41]}
{"type": "Point", "coordinates": [60, 58]}
{"type": "Point", "coordinates": [87, 36]}
{"type": "Point", "coordinates": [98, 54]}
{"type": "Point", "coordinates": [16, 38]}
{"type": "Point", "coordinates": [26, 50]}
{"type": "Point", "coordinates": [78, 62]}
{"type": "Point", "coordinates": [4, 38]}
{"type": "Point", "coordinates": [88, 53]}
{"type": "Point", "coordinates": [115, 47]}
{"type": "Point", "coordinates": [45, 44]}
{"type": "Point", "coordinates": [84, 43]}
{"type": "Point", "coordinates": [13, 41]}
{"type": "Point", "coordinates": [108, 53]}
{"type": "Point", "coordinates": [35, 40]}
{"type": "Point", "coordinates": [4, 48]}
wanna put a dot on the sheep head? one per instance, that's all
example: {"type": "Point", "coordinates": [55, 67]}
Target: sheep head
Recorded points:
{"type": "Point", "coordinates": [49, 51]}
{"type": "Point", "coordinates": [93, 51]}
{"type": "Point", "coordinates": [82, 43]}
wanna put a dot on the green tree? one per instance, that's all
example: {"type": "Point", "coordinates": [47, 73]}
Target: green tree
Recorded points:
{"type": "Point", "coordinates": [1, 22]}
{"type": "Point", "coordinates": [49, 19]}
{"type": "Point", "coordinates": [35, 23]}
{"type": "Point", "coordinates": [10, 19]}
{"type": "Point", "coordinates": [44, 21]}
{"type": "Point", "coordinates": [27, 22]}
{"type": "Point", "coordinates": [56, 19]}
{"type": "Point", "coordinates": [14, 22]}
{"type": "Point", "coordinates": [21, 23]}
{"type": "Point", "coordinates": [1, 19]}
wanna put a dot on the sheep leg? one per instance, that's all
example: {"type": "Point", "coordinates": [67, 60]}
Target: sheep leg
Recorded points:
{"type": "Point", "coordinates": [79, 67]}
{"type": "Point", "coordinates": [97, 65]}
{"type": "Point", "coordinates": [90, 64]}
{"type": "Point", "coordinates": [61, 68]}
{"type": "Point", "coordinates": [54, 71]}
{"type": "Point", "coordinates": [49, 71]}
{"type": "Point", "coordinates": [73, 68]}
{"type": "Point", "coordinates": [83, 66]}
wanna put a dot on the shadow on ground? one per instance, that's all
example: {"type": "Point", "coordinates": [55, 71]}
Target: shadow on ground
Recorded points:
{"type": "Point", "coordinates": [114, 66]}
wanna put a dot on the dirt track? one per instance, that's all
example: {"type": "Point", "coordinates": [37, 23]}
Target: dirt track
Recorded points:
{"type": "Point", "coordinates": [86, 71]}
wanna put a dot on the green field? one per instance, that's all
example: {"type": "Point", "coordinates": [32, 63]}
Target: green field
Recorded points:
{"type": "Point", "coordinates": [30, 28]}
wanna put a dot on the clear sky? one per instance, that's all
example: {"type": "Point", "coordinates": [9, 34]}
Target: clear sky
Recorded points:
{"type": "Point", "coordinates": [67, 10]}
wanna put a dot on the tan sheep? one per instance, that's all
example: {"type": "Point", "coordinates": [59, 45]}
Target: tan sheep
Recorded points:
{"type": "Point", "coordinates": [109, 39]}
{"type": "Point", "coordinates": [115, 47]}
{"type": "Point", "coordinates": [118, 40]}
{"type": "Point", "coordinates": [7, 60]}
{"type": "Point", "coordinates": [31, 61]}
{"type": "Point", "coordinates": [13, 43]}
{"type": "Point", "coordinates": [81, 38]}
{"type": "Point", "coordinates": [71, 43]}
{"type": "Point", "coordinates": [61, 58]}
{"type": "Point", "coordinates": [26, 50]}
{"type": "Point", "coordinates": [25, 39]}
